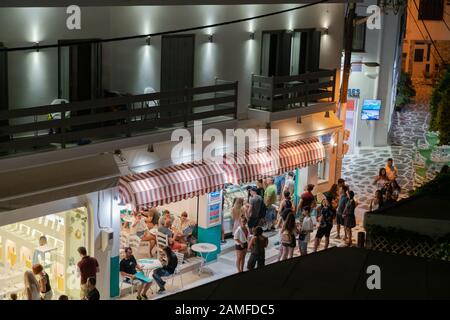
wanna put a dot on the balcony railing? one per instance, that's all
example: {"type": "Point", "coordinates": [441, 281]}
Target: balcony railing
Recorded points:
{"type": "Point", "coordinates": [74, 123]}
{"type": "Point", "coordinates": [287, 92]}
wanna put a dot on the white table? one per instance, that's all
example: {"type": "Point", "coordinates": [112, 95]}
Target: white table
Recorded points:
{"type": "Point", "coordinates": [149, 265]}
{"type": "Point", "coordinates": [153, 231]}
{"type": "Point", "coordinates": [204, 249]}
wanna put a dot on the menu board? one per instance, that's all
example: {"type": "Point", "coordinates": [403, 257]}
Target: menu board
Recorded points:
{"type": "Point", "coordinates": [214, 209]}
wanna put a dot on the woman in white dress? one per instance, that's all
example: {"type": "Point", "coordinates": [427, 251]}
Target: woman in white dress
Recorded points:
{"type": "Point", "coordinates": [31, 291]}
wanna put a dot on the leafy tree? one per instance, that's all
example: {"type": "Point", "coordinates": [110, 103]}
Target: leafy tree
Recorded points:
{"type": "Point", "coordinates": [436, 97]}
{"type": "Point", "coordinates": [443, 118]}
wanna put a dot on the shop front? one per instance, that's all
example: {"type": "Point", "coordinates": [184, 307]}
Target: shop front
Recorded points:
{"type": "Point", "coordinates": [47, 219]}
{"type": "Point", "coordinates": [263, 163]}
{"type": "Point", "coordinates": [194, 189]}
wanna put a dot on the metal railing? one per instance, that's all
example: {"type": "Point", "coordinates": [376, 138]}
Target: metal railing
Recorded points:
{"type": "Point", "coordinates": [115, 117]}
{"type": "Point", "coordinates": [287, 92]}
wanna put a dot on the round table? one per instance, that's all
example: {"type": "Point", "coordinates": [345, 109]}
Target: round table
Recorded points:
{"type": "Point", "coordinates": [204, 249]}
{"type": "Point", "coordinates": [153, 231]}
{"type": "Point", "coordinates": [149, 265]}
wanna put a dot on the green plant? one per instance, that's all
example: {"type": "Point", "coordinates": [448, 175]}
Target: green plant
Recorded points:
{"type": "Point", "coordinates": [436, 96]}
{"type": "Point", "coordinates": [405, 90]}
{"type": "Point", "coordinates": [443, 118]}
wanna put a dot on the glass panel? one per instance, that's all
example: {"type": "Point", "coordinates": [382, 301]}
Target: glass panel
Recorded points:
{"type": "Point", "coordinates": [76, 236]}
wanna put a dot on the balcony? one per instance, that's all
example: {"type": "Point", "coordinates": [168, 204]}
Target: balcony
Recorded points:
{"type": "Point", "coordinates": [280, 97]}
{"type": "Point", "coordinates": [61, 126]}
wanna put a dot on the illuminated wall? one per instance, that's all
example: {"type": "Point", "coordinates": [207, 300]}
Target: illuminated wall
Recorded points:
{"type": "Point", "coordinates": [131, 66]}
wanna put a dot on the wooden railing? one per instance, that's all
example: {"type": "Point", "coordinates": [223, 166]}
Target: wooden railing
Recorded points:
{"type": "Point", "coordinates": [286, 92]}
{"type": "Point", "coordinates": [116, 117]}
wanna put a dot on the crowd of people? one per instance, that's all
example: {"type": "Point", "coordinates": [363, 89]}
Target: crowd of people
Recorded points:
{"type": "Point", "coordinates": [270, 207]}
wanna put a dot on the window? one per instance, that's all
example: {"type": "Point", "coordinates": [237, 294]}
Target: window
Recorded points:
{"type": "Point", "coordinates": [431, 9]}
{"type": "Point", "coordinates": [323, 170]}
{"type": "Point", "coordinates": [359, 36]}
{"type": "Point", "coordinates": [418, 55]}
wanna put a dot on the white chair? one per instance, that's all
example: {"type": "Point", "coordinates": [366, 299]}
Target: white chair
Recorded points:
{"type": "Point", "coordinates": [161, 242]}
{"type": "Point", "coordinates": [132, 283]}
{"type": "Point", "coordinates": [151, 104]}
{"type": "Point", "coordinates": [177, 272]}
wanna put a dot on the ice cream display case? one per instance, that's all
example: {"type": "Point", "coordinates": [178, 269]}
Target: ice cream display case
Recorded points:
{"type": "Point", "coordinates": [232, 191]}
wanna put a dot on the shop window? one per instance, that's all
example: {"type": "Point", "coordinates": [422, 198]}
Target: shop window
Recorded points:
{"type": "Point", "coordinates": [21, 246]}
{"type": "Point", "coordinates": [431, 9]}
{"type": "Point", "coordinates": [359, 37]}
{"type": "Point", "coordinates": [323, 170]}
{"type": "Point", "coordinates": [418, 55]}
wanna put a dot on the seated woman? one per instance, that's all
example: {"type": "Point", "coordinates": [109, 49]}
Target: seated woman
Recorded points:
{"type": "Point", "coordinates": [152, 217]}
{"type": "Point", "coordinates": [173, 243]}
{"type": "Point", "coordinates": [182, 227]}
{"type": "Point", "coordinates": [139, 227]}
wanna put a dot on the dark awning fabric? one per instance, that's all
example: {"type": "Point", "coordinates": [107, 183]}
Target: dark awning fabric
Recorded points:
{"type": "Point", "coordinates": [337, 273]}
{"type": "Point", "coordinates": [31, 186]}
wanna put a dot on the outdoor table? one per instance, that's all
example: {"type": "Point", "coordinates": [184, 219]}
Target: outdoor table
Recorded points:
{"type": "Point", "coordinates": [149, 265]}
{"type": "Point", "coordinates": [203, 249]}
{"type": "Point", "coordinates": [153, 231]}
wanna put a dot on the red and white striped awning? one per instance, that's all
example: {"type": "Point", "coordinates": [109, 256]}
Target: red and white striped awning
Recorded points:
{"type": "Point", "coordinates": [166, 185]}
{"type": "Point", "coordinates": [267, 162]}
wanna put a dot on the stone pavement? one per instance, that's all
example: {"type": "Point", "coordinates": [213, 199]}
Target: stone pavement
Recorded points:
{"type": "Point", "coordinates": [359, 170]}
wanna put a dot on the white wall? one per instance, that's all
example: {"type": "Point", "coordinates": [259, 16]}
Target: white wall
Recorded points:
{"type": "Point", "coordinates": [381, 46]}
{"type": "Point", "coordinates": [131, 66]}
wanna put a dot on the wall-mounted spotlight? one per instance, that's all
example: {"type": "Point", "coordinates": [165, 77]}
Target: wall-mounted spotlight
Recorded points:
{"type": "Point", "coordinates": [36, 45]}
{"type": "Point", "coordinates": [324, 31]}
{"type": "Point", "coordinates": [148, 40]}
{"type": "Point", "coordinates": [289, 31]}
{"type": "Point", "coordinates": [299, 119]}
{"type": "Point", "coordinates": [327, 114]}
{"type": "Point", "coordinates": [252, 36]}
{"type": "Point", "coordinates": [210, 38]}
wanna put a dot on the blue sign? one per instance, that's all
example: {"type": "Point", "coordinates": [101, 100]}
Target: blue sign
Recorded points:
{"type": "Point", "coordinates": [371, 110]}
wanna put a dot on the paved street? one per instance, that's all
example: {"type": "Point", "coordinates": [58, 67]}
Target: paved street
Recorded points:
{"type": "Point", "coordinates": [359, 169]}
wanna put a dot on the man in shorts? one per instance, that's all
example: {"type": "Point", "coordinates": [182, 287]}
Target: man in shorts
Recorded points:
{"type": "Point", "coordinates": [326, 215]}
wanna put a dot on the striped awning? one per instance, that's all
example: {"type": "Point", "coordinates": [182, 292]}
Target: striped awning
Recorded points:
{"type": "Point", "coordinates": [250, 166]}
{"type": "Point", "coordinates": [171, 184]}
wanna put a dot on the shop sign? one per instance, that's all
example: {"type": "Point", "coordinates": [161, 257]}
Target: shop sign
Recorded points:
{"type": "Point", "coordinates": [215, 197]}
{"type": "Point", "coordinates": [214, 209]}
{"type": "Point", "coordinates": [214, 214]}
{"type": "Point", "coordinates": [354, 93]}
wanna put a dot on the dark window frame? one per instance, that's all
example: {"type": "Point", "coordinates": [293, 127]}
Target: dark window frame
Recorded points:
{"type": "Point", "coordinates": [431, 10]}
{"type": "Point", "coordinates": [363, 26]}
{"type": "Point", "coordinates": [416, 51]}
